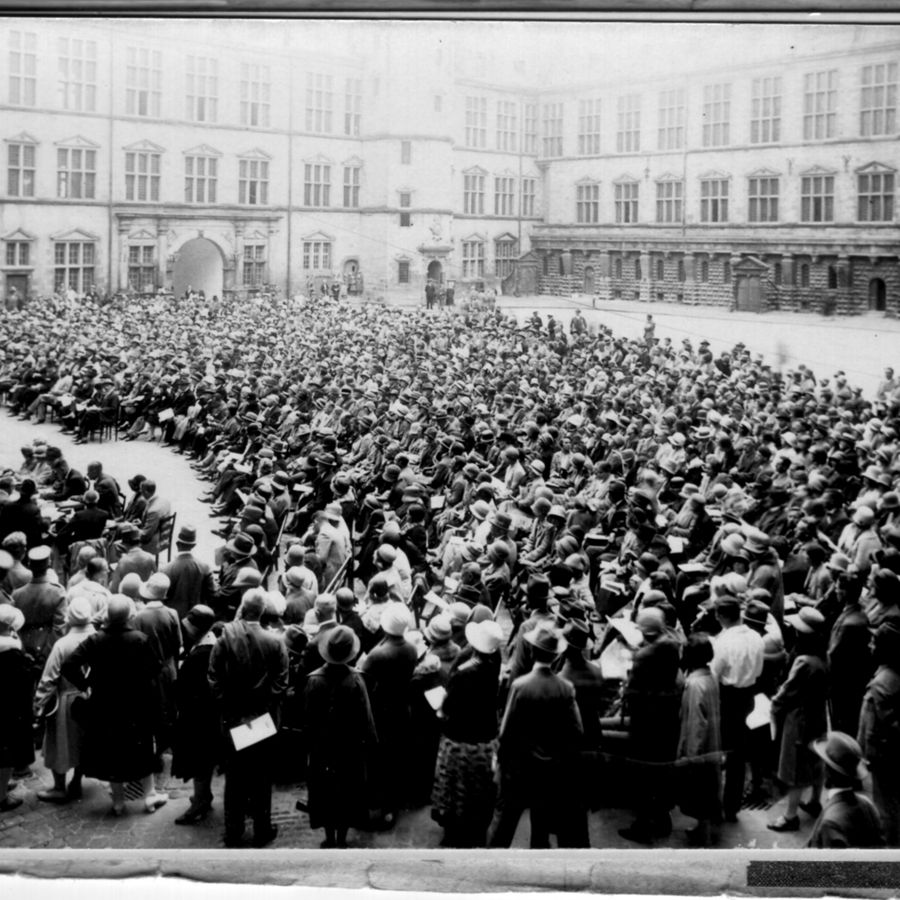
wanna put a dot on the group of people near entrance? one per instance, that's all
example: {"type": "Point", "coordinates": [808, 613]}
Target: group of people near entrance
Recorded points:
{"type": "Point", "coordinates": [466, 563]}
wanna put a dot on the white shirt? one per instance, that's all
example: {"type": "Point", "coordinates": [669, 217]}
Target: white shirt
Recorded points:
{"type": "Point", "coordinates": [738, 654]}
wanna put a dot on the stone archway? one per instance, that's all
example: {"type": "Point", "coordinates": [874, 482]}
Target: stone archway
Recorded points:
{"type": "Point", "coordinates": [877, 295]}
{"type": "Point", "coordinates": [199, 264]}
{"type": "Point", "coordinates": [436, 271]}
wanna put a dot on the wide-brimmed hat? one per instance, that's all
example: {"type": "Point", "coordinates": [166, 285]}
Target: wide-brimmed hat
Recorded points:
{"type": "Point", "coordinates": [546, 638]}
{"type": "Point", "coordinates": [341, 645]}
{"type": "Point", "coordinates": [11, 617]}
{"type": "Point", "coordinates": [501, 520]}
{"type": "Point", "coordinates": [156, 587]}
{"type": "Point", "coordinates": [756, 542]}
{"type": "Point", "coordinates": [480, 510]}
{"type": "Point", "coordinates": [241, 545]}
{"type": "Point", "coordinates": [199, 620]}
{"type": "Point", "coordinates": [841, 753]}
{"type": "Point", "coordinates": [807, 620]}
{"type": "Point", "coordinates": [485, 637]}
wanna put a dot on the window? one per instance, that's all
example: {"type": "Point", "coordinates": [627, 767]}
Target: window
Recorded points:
{"type": "Point", "coordinates": [875, 197]}
{"type": "Point", "coordinates": [405, 202]}
{"type": "Point", "coordinates": [473, 194]}
{"type": "Point", "coordinates": [832, 278]}
{"type": "Point", "coordinates": [253, 182]}
{"type": "Point", "coordinates": [316, 185]}
{"type": "Point", "coordinates": [405, 153]}
{"type": "Point", "coordinates": [352, 106]}
{"type": "Point", "coordinates": [637, 268]}
{"type": "Point", "coordinates": [777, 273]}
{"type": "Point", "coordinates": [804, 275]}
{"type": "Point", "coordinates": [507, 125]}
{"type": "Point", "coordinates": [627, 202]}
{"type": "Point", "coordinates": [820, 105]}
{"type": "Point", "coordinates": [22, 68]}
{"type": "Point", "coordinates": [669, 201]}
{"type": "Point", "coordinates": [256, 90]}
{"type": "Point", "coordinates": [878, 103]}
{"type": "Point", "coordinates": [681, 271]}
{"type": "Point", "coordinates": [20, 170]}
{"type": "Point", "coordinates": [529, 190]}
{"type": "Point", "coordinates": [716, 115]}
{"type": "Point", "coordinates": [670, 126]}
{"type": "Point", "coordinates": [318, 103]}
{"type": "Point", "coordinates": [529, 132]}
{"type": "Point", "coordinates": [254, 264]}
{"type": "Point", "coordinates": [76, 173]}
{"type": "Point", "coordinates": [403, 271]}
{"type": "Point", "coordinates": [73, 266]}
{"type": "Point", "coordinates": [704, 270]}
{"type": "Point", "coordinates": [142, 267]}
{"type": "Point", "coordinates": [316, 255]}
{"type": "Point", "coordinates": [618, 267]}
{"type": "Point", "coordinates": [589, 127]}
{"type": "Point", "coordinates": [18, 253]}
{"type": "Point", "coordinates": [476, 122]}
{"type": "Point", "coordinates": [714, 200]}
{"type": "Point", "coordinates": [504, 196]}
{"type": "Point", "coordinates": [351, 187]}
{"type": "Point", "coordinates": [726, 271]}
{"type": "Point", "coordinates": [505, 252]}
{"type": "Point", "coordinates": [553, 129]}
{"type": "Point", "coordinates": [200, 179]}
{"type": "Point", "coordinates": [202, 89]}
{"type": "Point", "coordinates": [817, 198]}
{"type": "Point", "coordinates": [142, 176]}
{"type": "Point", "coordinates": [660, 270]}
{"type": "Point", "coordinates": [587, 203]}
{"type": "Point", "coordinates": [405, 220]}
{"type": "Point", "coordinates": [77, 67]}
{"type": "Point", "coordinates": [763, 199]}
{"type": "Point", "coordinates": [473, 259]}
{"type": "Point", "coordinates": [143, 82]}
{"type": "Point", "coordinates": [765, 111]}
{"type": "Point", "coordinates": [628, 132]}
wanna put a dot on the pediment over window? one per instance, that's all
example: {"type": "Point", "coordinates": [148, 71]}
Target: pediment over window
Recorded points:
{"type": "Point", "coordinates": [202, 150]}
{"type": "Point", "coordinates": [504, 238]}
{"type": "Point", "coordinates": [625, 179]}
{"type": "Point", "coordinates": [145, 147]}
{"type": "Point", "coordinates": [818, 170]}
{"type": "Point", "coordinates": [874, 168]}
{"type": "Point", "coordinates": [715, 175]}
{"type": "Point", "coordinates": [475, 170]}
{"type": "Point", "coordinates": [255, 236]}
{"type": "Point", "coordinates": [78, 143]}
{"type": "Point", "coordinates": [255, 153]}
{"type": "Point", "coordinates": [506, 173]}
{"type": "Point", "coordinates": [353, 161]}
{"type": "Point", "coordinates": [405, 190]}
{"type": "Point", "coordinates": [23, 137]}
{"type": "Point", "coordinates": [669, 176]}
{"type": "Point", "coordinates": [142, 235]}
{"type": "Point", "coordinates": [763, 173]}
{"type": "Point", "coordinates": [586, 179]}
{"type": "Point", "coordinates": [474, 238]}
{"type": "Point", "coordinates": [318, 160]}
{"type": "Point", "coordinates": [533, 175]}
{"type": "Point", "coordinates": [317, 236]}
{"type": "Point", "coordinates": [18, 235]}
{"type": "Point", "coordinates": [75, 234]}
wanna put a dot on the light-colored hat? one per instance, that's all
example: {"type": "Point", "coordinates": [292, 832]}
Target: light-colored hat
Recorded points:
{"type": "Point", "coordinates": [156, 587]}
{"type": "Point", "coordinates": [119, 611]}
{"type": "Point", "coordinates": [417, 641]}
{"type": "Point", "coordinates": [485, 637]}
{"type": "Point", "coordinates": [79, 611]}
{"type": "Point", "coordinates": [130, 585]}
{"type": "Point", "coordinates": [440, 628]}
{"type": "Point", "coordinates": [11, 617]}
{"type": "Point", "coordinates": [807, 620]}
{"type": "Point", "coordinates": [396, 619]}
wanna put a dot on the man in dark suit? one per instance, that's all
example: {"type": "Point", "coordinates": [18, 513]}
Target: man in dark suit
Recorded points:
{"type": "Point", "coordinates": [849, 664]}
{"type": "Point", "coordinates": [134, 559]}
{"type": "Point", "coordinates": [540, 737]}
{"type": "Point", "coordinates": [86, 524]}
{"type": "Point", "coordinates": [156, 510]}
{"type": "Point", "coordinates": [191, 581]}
{"type": "Point", "coordinates": [849, 818]}
{"type": "Point", "coordinates": [107, 487]}
{"type": "Point", "coordinates": [248, 673]}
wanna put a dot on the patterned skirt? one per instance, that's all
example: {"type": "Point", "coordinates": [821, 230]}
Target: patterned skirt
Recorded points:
{"type": "Point", "coordinates": [464, 787]}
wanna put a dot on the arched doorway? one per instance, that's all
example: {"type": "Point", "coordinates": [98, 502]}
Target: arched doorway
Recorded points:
{"type": "Point", "coordinates": [436, 271]}
{"type": "Point", "coordinates": [589, 280]}
{"type": "Point", "coordinates": [877, 295]}
{"type": "Point", "coordinates": [198, 264]}
{"type": "Point", "coordinates": [351, 267]}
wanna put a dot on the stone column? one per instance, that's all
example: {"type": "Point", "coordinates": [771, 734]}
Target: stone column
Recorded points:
{"type": "Point", "coordinates": [121, 278]}
{"type": "Point", "coordinates": [237, 274]}
{"type": "Point", "coordinates": [162, 231]}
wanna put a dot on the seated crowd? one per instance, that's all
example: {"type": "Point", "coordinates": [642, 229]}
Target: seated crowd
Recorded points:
{"type": "Point", "coordinates": [466, 563]}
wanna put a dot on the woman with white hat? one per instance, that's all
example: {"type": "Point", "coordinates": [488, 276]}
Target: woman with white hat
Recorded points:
{"type": "Point", "coordinates": [16, 747]}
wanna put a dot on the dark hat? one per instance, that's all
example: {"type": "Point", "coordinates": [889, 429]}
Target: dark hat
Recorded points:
{"type": "Point", "coordinates": [241, 545]}
{"type": "Point", "coordinates": [538, 588]}
{"type": "Point", "coordinates": [756, 612]}
{"type": "Point", "coordinates": [198, 621]}
{"type": "Point", "coordinates": [841, 753]}
{"type": "Point", "coordinates": [728, 603]}
{"type": "Point", "coordinates": [501, 520]}
{"type": "Point", "coordinates": [129, 533]}
{"type": "Point", "coordinates": [546, 638]}
{"type": "Point", "coordinates": [576, 634]}
{"type": "Point", "coordinates": [187, 535]}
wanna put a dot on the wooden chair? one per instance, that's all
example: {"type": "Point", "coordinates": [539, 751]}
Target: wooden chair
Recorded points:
{"type": "Point", "coordinates": [166, 530]}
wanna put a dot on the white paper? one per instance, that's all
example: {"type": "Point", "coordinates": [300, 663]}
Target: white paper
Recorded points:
{"type": "Point", "coordinates": [629, 631]}
{"type": "Point", "coordinates": [435, 697]}
{"type": "Point", "coordinates": [615, 661]}
{"type": "Point", "coordinates": [253, 732]}
{"type": "Point", "coordinates": [760, 716]}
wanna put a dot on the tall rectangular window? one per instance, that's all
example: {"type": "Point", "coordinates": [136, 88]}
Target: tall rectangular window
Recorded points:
{"type": "Point", "coordinates": [626, 202]}
{"type": "Point", "coordinates": [77, 69]}
{"type": "Point", "coordinates": [316, 185]}
{"type": "Point", "coordinates": [507, 125]}
{"type": "Point", "coordinates": [878, 100]}
{"type": "Point", "coordinates": [73, 266]}
{"type": "Point", "coordinates": [142, 267]}
{"type": "Point", "coordinates": [316, 255]}
{"type": "Point", "coordinates": [504, 196]}
{"type": "Point", "coordinates": [256, 91]}
{"type": "Point", "coordinates": [716, 115]}
{"type": "Point", "coordinates": [820, 105]}
{"type": "Point", "coordinates": [142, 176]}
{"type": "Point", "coordinates": [875, 197]}
{"type": "Point", "coordinates": [529, 191]}
{"type": "Point", "coordinates": [253, 182]}
{"type": "Point", "coordinates": [405, 203]}
{"type": "Point", "coordinates": [20, 170]}
{"type": "Point", "coordinates": [319, 99]}
{"type": "Point", "coordinates": [505, 252]}
{"type": "Point", "coordinates": [817, 198]}
{"type": "Point", "coordinates": [587, 203]}
{"type": "Point", "coordinates": [765, 111]}
{"type": "Point", "coordinates": [473, 259]}
{"type": "Point", "coordinates": [22, 68]}
{"type": "Point", "coordinates": [18, 253]}
{"type": "Point", "coordinates": [351, 187]}
{"type": "Point", "coordinates": [403, 271]}
{"type": "Point", "coordinates": [76, 173]}
{"type": "Point", "coordinates": [553, 130]}
{"type": "Point", "coordinates": [352, 106]}
{"type": "Point", "coordinates": [762, 196]}
{"type": "Point", "coordinates": [254, 265]}
{"type": "Point", "coordinates": [473, 194]}
{"type": "Point", "coordinates": [530, 128]}
{"type": "Point", "coordinates": [589, 127]}
{"type": "Point", "coordinates": [669, 201]}
{"type": "Point", "coordinates": [628, 120]}
{"type": "Point", "coordinates": [201, 176]}
{"type": "Point", "coordinates": [405, 153]}
{"type": "Point", "coordinates": [143, 82]}
{"type": "Point", "coordinates": [670, 125]}
{"type": "Point", "coordinates": [476, 122]}
{"type": "Point", "coordinates": [202, 89]}
{"type": "Point", "coordinates": [714, 200]}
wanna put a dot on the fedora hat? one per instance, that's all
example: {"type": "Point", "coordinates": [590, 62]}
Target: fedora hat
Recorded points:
{"type": "Point", "coordinates": [576, 634]}
{"type": "Point", "coordinates": [756, 612]}
{"type": "Point", "coordinates": [807, 620]}
{"type": "Point", "coordinates": [241, 545]}
{"type": "Point", "coordinates": [838, 562]}
{"type": "Point", "coordinates": [341, 646]}
{"type": "Point", "coordinates": [546, 638]}
{"type": "Point", "coordinates": [756, 542]}
{"type": "Point", "coordinates": [187, 536]}
{"type": "Point", "coordinates": [440, 628]}
{"type": "Point", "coordinates": [485, 637]}
{"type": "Point", "coordinates": [501, 521]}
{"type": "Point", "coordinates": [155, 587]}
{"type": "Point", "coordinates": [841, 753]}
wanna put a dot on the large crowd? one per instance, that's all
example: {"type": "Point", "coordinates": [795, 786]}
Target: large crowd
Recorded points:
{"type": "Point", "coordinates": [466, 562]}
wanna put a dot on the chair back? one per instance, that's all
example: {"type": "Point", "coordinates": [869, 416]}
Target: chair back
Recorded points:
{"type": "Point", "coordinates": [166, 530]}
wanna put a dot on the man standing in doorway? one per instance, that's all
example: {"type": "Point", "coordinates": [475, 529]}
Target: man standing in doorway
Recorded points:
{"type": "Point", "coordinates": [429, 294]}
